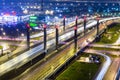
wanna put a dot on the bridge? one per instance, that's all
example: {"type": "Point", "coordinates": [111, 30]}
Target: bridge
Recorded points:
{"type": "Point", "coordinates": [27, 56]}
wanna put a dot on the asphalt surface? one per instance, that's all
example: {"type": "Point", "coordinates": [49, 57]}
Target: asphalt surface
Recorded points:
{"type": "Point", "coordinates": [105, 65]}
{"type": "Point", "coordinates": [112, 71]}
{"type": "Point", "coordinates": [41, 71]}
{"type": "Point", "coordinates": [71, 51]}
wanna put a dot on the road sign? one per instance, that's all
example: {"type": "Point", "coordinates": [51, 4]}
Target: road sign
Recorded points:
{"type": "Point", "coordinates": [33, 21]}
{"type": "Point", "coordinates": [33, 24]}
{"type": "Point", "coordinates": [33, 17]}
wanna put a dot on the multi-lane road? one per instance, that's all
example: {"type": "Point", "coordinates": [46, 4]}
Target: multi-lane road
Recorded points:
{"type": "Point", "coordinates": [113, 70]}
{"type": "Point", "coordinates": [115, 64]}
{"type": "Point", "coordinates": [50, 36]}
{"type": "Point", "coordinates": [25, 57]}
{"type": "Point", "coordinates": [29, 55]}
{"type": "Point", "coordinates": [105, 65]}
{"type": "Point", "coordinates": [41, 71]}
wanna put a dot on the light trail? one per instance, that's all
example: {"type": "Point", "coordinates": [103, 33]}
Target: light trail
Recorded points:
{"type": "Point", "coordinates": [25, 57]}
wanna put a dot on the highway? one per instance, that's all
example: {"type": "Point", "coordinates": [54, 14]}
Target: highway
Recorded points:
{"type": "Point", "coordinates": [49, 31]}
{"type": "Point", "coordinates": [113, 70]}
{"type": "Point", "coordinates": [105, 65]}
{"type": "Point", "coordinates": [115, 64]}
{"type": "Point", "coordinates": [40, 72]}
{"type": "Point", "coordinates": [23, 58]}
{"type": "Point", "coordinates": [61, 32]}
{"type": "Point", "coordinates": [49, 37]}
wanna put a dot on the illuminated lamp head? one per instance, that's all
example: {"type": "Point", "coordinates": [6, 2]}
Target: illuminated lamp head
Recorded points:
{"type": "Point", "coordinates": [64, 17]}
{"type": "Point", "coordinates": [76, 17]}
{"type": "Point", "coordinates": [27, 25]}
{"type": "Point", "coordinates": [56, 26]}
{"type": "Point", "coordinates": [44, 26]}
{"type": "Point", "coordinates": [75, 28]}
{"type": "Point", "coordinates": [85, 18]}
{"type": "Point", "coordinates": [97, 18]}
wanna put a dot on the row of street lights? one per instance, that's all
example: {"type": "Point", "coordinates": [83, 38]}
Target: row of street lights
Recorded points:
{"type": "Point", "coordinates": [57, 33]}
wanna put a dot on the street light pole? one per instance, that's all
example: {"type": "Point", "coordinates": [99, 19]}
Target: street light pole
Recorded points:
{"type": "Point", "coordinates": [28, 36]}
{"type": "Point", "coordinates": [98, 26]}
{"type": "Point", "coordinates": [76, 21]}
{"type": "Point", "coordinates": [64, 23]}
{"type": "Point", "coordinates": [84, 25]}
{"type": "Point", "coordinates": [57, 34]}
{"type": "Point", "coordinates": [45, 39]}
{"type": "Point", "coordinates": [75, 33]}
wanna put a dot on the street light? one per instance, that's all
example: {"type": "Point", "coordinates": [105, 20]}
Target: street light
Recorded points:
{"type": "Point", "coordinates": [28, 35]}
{"type": "Point", "coordinates": [76, 21]}
{"type": "Point", "coordinates": [57, 34]}
{"type": "Point", "coordinates": [75, 33]}
{"type": "Point", "coordinates": [1, 29]}
{"type": "Point", "coordinates": [22, 34]}
{"type": "Point", "coordinates": [84, 25]}
{"type": "Point", "coordinates": [64, 23]}
{"type": "Point", "coordinates": [98, 25]}
{"type": "Point", "coordinates": [45, 39]}
{"type": "Point", "coordinates": [75, 37]}
{"type": "Point", "coordinates": [4, 33]}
